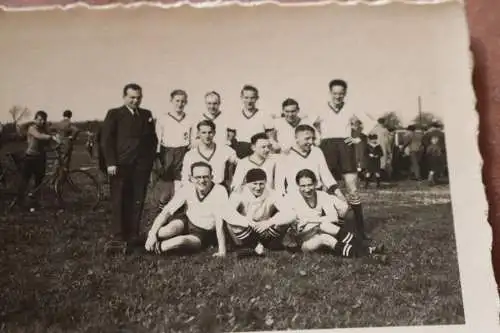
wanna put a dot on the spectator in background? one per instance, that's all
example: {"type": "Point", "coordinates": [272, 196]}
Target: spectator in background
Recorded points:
{"type": "Point", "coordinates": [435, 131]}
{"type": "Point", "coordinates": [415, 149]}
{"type": "Point", "coordinates": [435, 160]}
{"type": "Point", "coordinates": [360, 147]}
{"type": "Point", "coordinates": [374, 155]}
{"type": "Point", "coordinates": [383, 139]}
{"type": "Point", "coordinates": [38, 139]}
{"type": "Point", "coordinates": [67, 133]}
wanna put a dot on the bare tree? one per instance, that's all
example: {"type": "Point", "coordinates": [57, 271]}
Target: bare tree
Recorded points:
{"type": "Point", "coordinates": [18, 113]}
{"type": "Point", "coordinates": [391, 120]}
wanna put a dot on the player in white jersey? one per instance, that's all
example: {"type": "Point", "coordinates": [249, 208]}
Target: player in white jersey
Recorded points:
{"type": "Point", "coordinates": [219, 118]}
{"type": "Point", "coordinates": [304, 155]}
{"type": "Point", "coordinates": [267, 214]}
{"type": "Point", "coordinates": [261, 158]}
{"type": "Point", "coordinates": [174, 130]}
{"type": "Point", "coordinates": [221, 158]}
{"type": "Point", "coordinates": [202, 223]}
{"type": "Point", "coordinates": [284, 127]}
{"type": "Point", "coordinates": [249, 121]}
{"type": "Point", "coordinates": [317, 218]}
{"type": "Point", "coordinates": [337, 143]}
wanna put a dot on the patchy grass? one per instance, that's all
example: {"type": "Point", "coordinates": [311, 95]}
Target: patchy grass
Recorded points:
{"type": "Point", "coordinates": [55, 277]}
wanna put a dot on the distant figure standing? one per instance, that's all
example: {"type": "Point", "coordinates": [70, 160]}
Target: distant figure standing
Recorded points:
{"type": "Point", "coordinates": [129, 144]}
{"type": "Point", "coordinates": [360, 147]}
{"type": "Point", "coordinates": [38, 139]}
{"type": "Point", "coordinates": [67, 133]}
{"type": "Point", "coordinates": [374, 155]}
{"type": "Point", "coordinates": [383, 139]}
{"type": "Point", "coordinates": [416, 150]}
{"type": "Point", "coordinates": [435, 160]}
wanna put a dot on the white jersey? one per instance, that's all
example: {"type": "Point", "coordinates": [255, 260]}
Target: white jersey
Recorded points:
{"type": "Point", "coordinates": [203, 212]}
{"type": "Point", "coordinates": [221, 125]}
{"type": "Point", "coordinates": [246, 127]}
{"type": "Point", "coordinates": [257, 208]}
{"type": "Point", "coordinates": [290, 164]}
{"type": "Point", "coordinates": [217, 160]}
{"type": "Point", "coordinates": [247, 163]}
{"type": "Point", "coordinates": [285, 132]}
{"type": "Point", "coordinates": [336, 123]}
{"type": "Point", "coordinates": [325, 206]}
{"type": "Point", "coordinates": [174, 132]}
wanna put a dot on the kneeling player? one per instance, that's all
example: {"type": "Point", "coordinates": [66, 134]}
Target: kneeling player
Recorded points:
{"type": "Point", "coordinates": [316, 221]}
{"type": "Point", "coordinates": [264, 211]}
{"type": "Point", "coordinates": [202, 223]}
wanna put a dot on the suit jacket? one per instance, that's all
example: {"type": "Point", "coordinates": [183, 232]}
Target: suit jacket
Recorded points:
{"type": "Point", "coordinates": [128, 139]}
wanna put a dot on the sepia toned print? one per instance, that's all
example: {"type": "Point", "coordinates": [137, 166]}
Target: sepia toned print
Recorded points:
{"type": "Point", "coordinates": [341, 212]}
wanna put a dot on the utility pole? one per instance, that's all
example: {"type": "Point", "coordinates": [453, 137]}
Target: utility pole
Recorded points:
{"type": "Point", "coordinates": [420, 110]}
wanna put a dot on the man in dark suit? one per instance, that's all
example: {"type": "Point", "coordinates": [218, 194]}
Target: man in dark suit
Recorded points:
{"type": "Point", "coordinates": [128, 140]}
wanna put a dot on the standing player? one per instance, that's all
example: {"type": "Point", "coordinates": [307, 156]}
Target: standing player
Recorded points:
{"type": "Point", "coordinates": [174, 131]}
{"type": "Point", "coordinates": [284, 127]}
{"type": "Point", "coordinates": [337, 144]}
{"type": "Point", "coordinates": [261, 158]}
{"type": "Point", "coordinates": [202, 223]}
{"type": "Point", "coordinates": [218, 156]}
{"type": "Point", "coordinates": [304, 155]}
{"type": "Point", "coordinates": [267, 214]}
{"type": "Point", "coordinates": [317, 221]}
{"type": "Point", "coordinates": [249, 121]}
{"type": "Point", "coordinates": [214, 114]}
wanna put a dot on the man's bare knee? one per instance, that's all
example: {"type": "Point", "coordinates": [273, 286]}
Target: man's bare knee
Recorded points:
{"type": "Point", "coordinates": [173, 228]}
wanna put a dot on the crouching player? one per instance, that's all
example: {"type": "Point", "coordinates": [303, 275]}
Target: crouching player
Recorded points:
{"type": "Point", "coordinates": [317, 218]}
{"type": "Point", "coordinates": [263, 217]}
{"type": "Point", "coordinates": [202, 223]}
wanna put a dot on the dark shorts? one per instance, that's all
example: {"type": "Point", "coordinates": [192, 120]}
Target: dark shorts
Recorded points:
{"type": "Point", "coordinates": [243, 149]}
{"type": "Point", "coordinates": [340, 157]}
{"type": "Point", "coordinates": [304, 236]}
{"type": "Point", "coordinates": [206, 237]}
{"type": "Point", "coordinates": [171, 159]}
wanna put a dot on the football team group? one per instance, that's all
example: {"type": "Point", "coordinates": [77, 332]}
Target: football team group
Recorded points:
{"type": "Point", "coordinates": [241, 180]}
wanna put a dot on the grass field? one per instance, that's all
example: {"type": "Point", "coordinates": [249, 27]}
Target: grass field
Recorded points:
{"type": "Point", "coordinates": [55, 277]}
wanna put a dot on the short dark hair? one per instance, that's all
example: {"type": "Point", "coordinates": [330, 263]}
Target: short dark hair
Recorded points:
{"type": "Point", "coordinates": [411, 128]}
{"type": "Point", "coordinates": [435, 124]}
{"type": "Point", "coordinates": [304, 128]}
{"type": "Point", "coordinates": [202, 165]}
{"type": "Point", "coordinates": [289, 102]}
{"type": "Point", "coordinates": [381, 120]}
{"type": "Point", "coordinates": [337, 82]}
{"type": "Point", "coordinates": [305, 173]}
{"type": "Point", "coordinates": [206, 122]}
{"type": "Point", "coordinates": [41, 113]}
{"type": "Point", "coordinates": [372, 137]}
{"type": "Point", "coordinates": [257, 137]}
{"type": "Point", "coordinates": [176, 92]}
{"type": "Point", "coordinates": [254, 175]}
{"type": "Point", "coordinates": [68, 114]}
{"type": "Point", "coordinates": [213, 92]}
{"type": "Point", "coordinates": [249, 87]}
{"type": "Point", "coordinates": [132, 86]}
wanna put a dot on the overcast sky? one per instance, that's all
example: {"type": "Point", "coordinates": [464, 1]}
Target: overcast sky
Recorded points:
{"type": "Point", "coordinates": [81, 59]}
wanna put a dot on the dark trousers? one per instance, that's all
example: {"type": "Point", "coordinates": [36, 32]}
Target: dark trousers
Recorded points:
{"type": "Point", "coordinates": [128, 192]}
{"type": "Point", "coordinates": [416, 159]}
{"type": "Point", "coordinates": [33, 166]}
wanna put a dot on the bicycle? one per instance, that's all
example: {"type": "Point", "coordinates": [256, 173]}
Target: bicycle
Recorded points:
{"type": "Point", "coordinates": [71, 187]}
{"type": "Point", "coordinates": [91, 145]}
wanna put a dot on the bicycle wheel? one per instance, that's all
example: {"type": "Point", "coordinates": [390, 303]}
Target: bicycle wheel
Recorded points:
{"type": "Point", "coordinates": [78, 190]}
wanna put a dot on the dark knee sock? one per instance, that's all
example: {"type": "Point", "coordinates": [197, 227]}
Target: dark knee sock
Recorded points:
{"type": "Point", "coordinates": [344, 250]}
{"type": "Point", "coordinates": [359, 221]}
{"type": "Point", "coordinates": [344, 236]}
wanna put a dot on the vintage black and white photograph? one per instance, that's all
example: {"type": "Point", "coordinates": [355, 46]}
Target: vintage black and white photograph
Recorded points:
{"type": "Point", "coordinates": [231, 169]}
